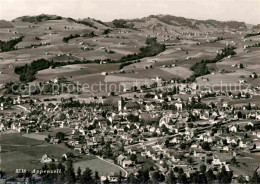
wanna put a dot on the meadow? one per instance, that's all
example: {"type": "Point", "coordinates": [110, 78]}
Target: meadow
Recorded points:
{"type": "Point", "coordinates": [20, 152]}
{"type": "Point", "coordinates": [102, 167]}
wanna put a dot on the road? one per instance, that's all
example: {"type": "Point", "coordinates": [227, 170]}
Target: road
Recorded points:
{"type": "Point", "coordinates": [149, 142]}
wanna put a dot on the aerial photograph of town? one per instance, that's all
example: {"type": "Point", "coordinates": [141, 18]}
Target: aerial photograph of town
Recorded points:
{"type": "Point", "coordinates": [129, 91]}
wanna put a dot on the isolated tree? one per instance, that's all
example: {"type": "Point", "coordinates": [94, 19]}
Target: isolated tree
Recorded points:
{"type": "Point", "coordinates": [224, 176]}
{"type": "Point", "coordinates": [210, 175]}
{"type": "Point", "coordinates": [97, 177]}
{"type": "Point", "coordinates": [70, 173]}
{"type": "Point", "coordinates": [120, 177]}
{"type": "Point", "coordinates": [255, 178]}
{"type": "Point", "coordinates": [167, 143]}
{"type": "Point", "coordinates": [131, 178]}
{"type": "Point", "coordinates": [156, 176]}
{"type": "Point", "coordinates": [206, 146]}
{"type": "Point", "coordinates": [190, 160]}
{"type": "Point", "coordinates": [183, 146]}
{"type": "Point", "coordinates": [143, 176]}
{"type": "Point", "coordinates": [60, 136]}
{"type": "Point", "coordinates": [234, 160]}
{"type": "Point", "coordinates": [78, 174]}
{"type": "Point", "coordinates": [249, 107]}
{"type": "Point", "coordinates": [61, 176]}
{"type": "Point", "coordinates": [133, 157]}
{"type": "Point", "coordinates": [171, 179]}
{"type": "Point", "coordinates": [190, 125]}
{"type": "Point", "coordinates": [86, 177]}
{"type": "Point", "coordinates": [182, 178]}
{"type": "Point", "coordinates": [242, 179]}
{"type": "Point", "coordinates": [248, 127]}
{"type": "Point", "coordinates": [203, 168]}
{"type": "Point", "coordinates": [239, 115]}
{"type": "Point", "coordinates": [151, 41]}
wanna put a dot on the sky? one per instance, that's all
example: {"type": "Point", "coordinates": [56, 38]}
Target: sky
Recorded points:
{"type": "Point", "coordinates": [107, 10]}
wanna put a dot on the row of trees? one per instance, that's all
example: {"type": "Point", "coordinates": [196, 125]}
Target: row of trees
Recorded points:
{"type": "Point", "coordinates": [66, 174]}
{"type": "Point", "coordinates": [144, 176]}
{"type": "Point", "coordinates": [121, 23]}
{"type": "Point", "coordinates": [218, 39]}
{"type": "Point", "coordinates": [89, 35]}
{"type": "Point", "coordinates": [177, 175]}
{"type": "Point", "coordinates": [89, 24]}
{"type": "Point", "coordinates": [122, 65]}
{"type": "Point", "coordinates": [153, 48]}
{"type": "Point", "coordinates": [40, 18]}
{"type": "Point", "coordinates": [252, 34]}
{"type": "Point", "coordinates": [27, 72]}
{"type": "Point", "coordinates": [254, 45]}
{"type": "Point", "coordinates": [201, 68]}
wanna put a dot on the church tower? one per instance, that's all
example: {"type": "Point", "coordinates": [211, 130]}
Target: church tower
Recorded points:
{"type": "Point", "coordinates": [120, 104]}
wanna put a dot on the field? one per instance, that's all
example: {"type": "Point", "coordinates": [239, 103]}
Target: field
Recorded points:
{"type": "Point", "coordinates": [179, 71]}
{"type": "Point", "coordinates": [53, 131]}
{"type": "Point", "coordinates": [254, 100]}
{"type": "Point", "coordinates": [20, 152]}
{"type": "Point", "coordinates": [104, 168]}
{"type": "Point", "coordinates": [228, 78]}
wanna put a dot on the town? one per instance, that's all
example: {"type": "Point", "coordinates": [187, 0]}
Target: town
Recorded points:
{"type": "Point", "coordinates": [161, 99]}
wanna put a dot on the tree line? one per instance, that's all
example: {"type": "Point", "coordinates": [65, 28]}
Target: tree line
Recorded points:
{"type": "Point", "coordinates": [201, 68]}
{"type": "Point", "coordinates": [89, 35]}
{"type": "Point", "coordinates": [89, 24]}
{"type": "Point", "coordinates": [39, 18]}
{"type": "Point", "coordinates": [252, 34]}
{"type": "Point", "coordinates": [6, 46]}
{"type": "Point", "coordinates": [121, 23]}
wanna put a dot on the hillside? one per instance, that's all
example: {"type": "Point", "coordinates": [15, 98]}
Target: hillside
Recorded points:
{"type": "Point", "coordinates": [124, 44]}
{"type": "Point", "coordinates": [169, 23]}
{"type": "Point", "coordinates": [5, 24]}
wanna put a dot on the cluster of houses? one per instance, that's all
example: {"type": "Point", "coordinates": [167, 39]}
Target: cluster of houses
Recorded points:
{"type": "Point", "coordinates": [165, 128]}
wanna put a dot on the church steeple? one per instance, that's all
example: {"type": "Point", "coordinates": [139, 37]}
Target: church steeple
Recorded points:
{"type": "Point", "coordinates": [120, 104]}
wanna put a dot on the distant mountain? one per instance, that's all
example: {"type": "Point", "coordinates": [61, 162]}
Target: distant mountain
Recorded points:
{"type": "Point", "coordinates": [154, 23]}
{"type": "Point", "coordinates": [169, 23]}
{"type": "Point", "coordinates": [45, 17]}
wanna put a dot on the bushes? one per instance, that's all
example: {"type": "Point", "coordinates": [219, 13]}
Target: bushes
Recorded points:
{"type": "Point", "coordinates": [66, 39]}
{"type": "Point", "coordinates": [89, 24]}
{"type": "Point", "coordinates": [153, 48]}
{"type": "Point", "coordinates": [121, 23]}
{"type": "Point", "coordinates": [106, 31]}
{"type": "Point", "coordinates": [122, 65]}
{"type": "Point", "coordinates": [201, 68]}
{"type": "Point", "coordinates": [9, 45]}
{"type": "Point", "coordinates": [27, 72]}
{"type": "Point", "coordinates": [218, 39]}
{"type": "Point", "coordinates": [40, 18]}
{"type": "Point", "coordinates": [228, 51]}
{"type": "Point", "coordinates": [89, 35]}
{"type": "Point", "coordinates": [252, 34]}
{"type": "Point", "coordinates": [254, 45]}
